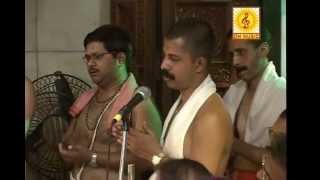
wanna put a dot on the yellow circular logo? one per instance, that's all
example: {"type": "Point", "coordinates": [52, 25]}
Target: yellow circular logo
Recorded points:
{"type": "Point", "coordinates": [246, 20]}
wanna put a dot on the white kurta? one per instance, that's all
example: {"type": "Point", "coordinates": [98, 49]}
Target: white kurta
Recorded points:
{"type": "Point", "coordinates": [268, 103]}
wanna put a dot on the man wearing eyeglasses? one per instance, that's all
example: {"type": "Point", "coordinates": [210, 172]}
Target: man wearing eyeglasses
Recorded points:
{"type": "Point", "coordinates": [88, 146]}
{"type": "Point", "coordinates": [254, 102]}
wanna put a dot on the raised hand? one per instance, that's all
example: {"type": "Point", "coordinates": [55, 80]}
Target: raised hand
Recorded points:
{"type": "Point", "coordinates": [143, 144]}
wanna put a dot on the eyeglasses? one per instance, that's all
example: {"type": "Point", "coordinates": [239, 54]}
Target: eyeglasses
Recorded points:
{"type": "Point", "coordinates": [95, 57]}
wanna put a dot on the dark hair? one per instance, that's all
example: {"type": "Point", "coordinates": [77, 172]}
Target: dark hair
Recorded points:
{"type": "Point", "coordinates": [265, 36]}
{"type": "Point", "coordinates": [114, 39]}
{"type": "Point", "coordinates": [284, 114]}
{"type": "Point", "coordinates": [197, 34]}
{"type": "Point", "coordinates": [183, 169]}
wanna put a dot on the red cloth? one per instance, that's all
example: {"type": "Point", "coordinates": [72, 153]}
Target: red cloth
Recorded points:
{"type": "Point", "coordinates": [126, 92]}
{"type": "Point", "coordinates": [244, 175]}
{"type": "Point", "coordinates": [81, 102]}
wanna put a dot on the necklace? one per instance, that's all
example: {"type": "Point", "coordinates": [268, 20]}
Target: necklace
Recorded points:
{"type": "Point", "coordinates": [95, 133]}
{"type": "Point", "coordinates": [104, 101]}
{"type": "Point", "coordinates": [91, 122]}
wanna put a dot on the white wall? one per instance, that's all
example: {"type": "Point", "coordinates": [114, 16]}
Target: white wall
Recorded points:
{"type": "Point", "coordinates": [54, 33]}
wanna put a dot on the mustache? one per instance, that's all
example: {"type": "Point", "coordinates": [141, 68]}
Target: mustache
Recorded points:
{"type": "Point", "coordinates": [92, 70]}
{"type": "Point", "coordinates": [165, 73]}
{"type": "Point", "coordinates": [240, 68]}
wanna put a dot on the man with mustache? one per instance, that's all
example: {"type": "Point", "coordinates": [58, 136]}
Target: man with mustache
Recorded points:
{"type": "Point", "coordinates": [88, 146]}
{"type": "Point", "coordinates": [166, 74]}
{"type": "Point", "coordinates": [198, 126]}
{"type": "Point", "coordinates": [254, 102]}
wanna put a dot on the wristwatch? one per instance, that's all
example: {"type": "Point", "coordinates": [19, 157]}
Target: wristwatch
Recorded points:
{"type": "Point", "coordinates": [157, 158]}
{"type": "Point", "coordinates": [93, 161]}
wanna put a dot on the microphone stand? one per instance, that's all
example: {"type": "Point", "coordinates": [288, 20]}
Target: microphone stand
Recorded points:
{"type": "Point", "coordinates": [125, 130]}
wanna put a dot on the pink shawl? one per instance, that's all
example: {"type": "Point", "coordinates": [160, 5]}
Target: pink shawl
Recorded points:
{"type": "Point", "coordinates": [126, 92]}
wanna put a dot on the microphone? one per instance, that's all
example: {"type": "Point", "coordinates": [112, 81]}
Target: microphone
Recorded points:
{"type": "Point", "coordinates": [141, 94]}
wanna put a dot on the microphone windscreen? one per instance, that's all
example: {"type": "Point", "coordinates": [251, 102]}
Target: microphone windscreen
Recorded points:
{"type": "Point", "coordinates": [144, 91]}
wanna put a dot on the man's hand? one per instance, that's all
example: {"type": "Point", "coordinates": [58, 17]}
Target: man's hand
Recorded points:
{"type": "Point", "coordinates": [116, 129]}
{"type": "Point", "coordinates": [250, 152]}
{"type": "Point", "coordinates": [75, 154]}
{"type": "Point", "coordinates": [142, 144]}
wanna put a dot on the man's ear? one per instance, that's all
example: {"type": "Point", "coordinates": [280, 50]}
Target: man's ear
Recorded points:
{"type": "Point", "coordinates": [121, 58]}
{"type": "Point", "coordinates": [201, 64]}
{"type": "Point", "coordinates": [264, 49]}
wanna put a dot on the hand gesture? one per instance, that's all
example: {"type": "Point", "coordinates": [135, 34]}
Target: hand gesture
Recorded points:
{"type": "Point", "coordinates": [74, 154]}
{"type": "Point", "coordinates": [143, 144]}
